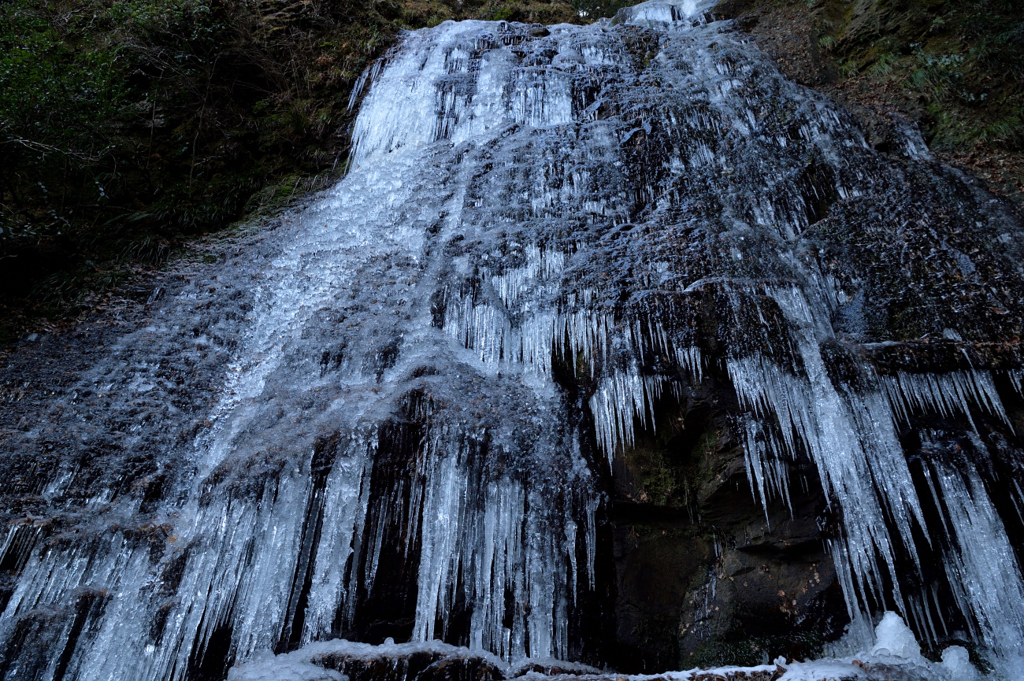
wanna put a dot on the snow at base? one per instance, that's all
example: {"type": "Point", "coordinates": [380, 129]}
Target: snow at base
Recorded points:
{"type": "Point", "coordinates": [895, 656]}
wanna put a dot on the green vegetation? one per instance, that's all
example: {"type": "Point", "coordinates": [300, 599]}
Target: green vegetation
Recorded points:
{"type": "Point", "coordinates": [960, 61]}
{"type": "Point", "coordinates": [129, 126]}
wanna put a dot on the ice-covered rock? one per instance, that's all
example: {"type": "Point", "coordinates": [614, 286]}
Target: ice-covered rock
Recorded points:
{"type": "Point", "coordinates": [282, 669]}
{"type": "Point", "coordinates": [894, 638]}
{"type": "Point", "coordinates": [957, 663]}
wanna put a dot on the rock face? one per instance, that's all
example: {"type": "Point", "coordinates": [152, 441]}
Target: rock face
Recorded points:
{"type": "Point", "coordinates": [705, 574]}
{"type": "Point", "coordinates": [614, 346]}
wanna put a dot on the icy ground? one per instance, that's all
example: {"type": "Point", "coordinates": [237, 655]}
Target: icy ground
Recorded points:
{"type": "Point", "coordinates": [895, 656]}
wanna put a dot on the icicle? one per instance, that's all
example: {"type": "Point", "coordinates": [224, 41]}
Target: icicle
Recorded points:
{"type": "Point", "coordinates": [767, 472]}
{"type": "Point", "coordinates": [946, 394]}
{"type": "Point", "coordinates": [617, 400]}
{"type": "Point", "coordinates": [1017, 380]}
{"type": "Point", "coordinates": [591, 518]}
{"type": "Point", "coordinates": [982, 568]}
{"type": "Point", "coordinates": [587, 334]}
{"type": "Point", "coordinates": [17, 547]}
{"type": "Point", "coordinates": [692, 359]}
{"type": "Point", "coordinates": [489, 330]}
{"type": "Point", "coordinates": [346, 499]}
{"type": "Point", "coordinates": [852, 441]}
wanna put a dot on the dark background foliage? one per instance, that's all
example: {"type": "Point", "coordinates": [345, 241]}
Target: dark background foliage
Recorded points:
{"type": "Point", "coordinates": [962, 61]}
{"type": "Point", "coordinates": [128, 127]}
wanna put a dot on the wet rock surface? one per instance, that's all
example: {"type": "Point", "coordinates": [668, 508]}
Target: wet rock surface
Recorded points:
{"type": "Point", "coordinates": [705, 574]}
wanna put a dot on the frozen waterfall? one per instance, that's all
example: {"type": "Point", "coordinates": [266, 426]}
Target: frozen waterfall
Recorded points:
{"type": "Point", "coordinates": [545, 235]}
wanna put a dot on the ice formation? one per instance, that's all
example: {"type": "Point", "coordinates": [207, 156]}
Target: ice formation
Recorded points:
{"type": "Point", "coordinates": [393, 433]}
{"type": "Point", "coordinates": [894, 637]}
{"type": "Point", "coordinates": [894, 656]}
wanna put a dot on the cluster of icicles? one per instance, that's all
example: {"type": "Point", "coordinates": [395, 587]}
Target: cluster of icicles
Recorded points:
{"type": "Point", "coordinates": [850, 436]}
{"type": "Point", "coordinates": [495, 540]}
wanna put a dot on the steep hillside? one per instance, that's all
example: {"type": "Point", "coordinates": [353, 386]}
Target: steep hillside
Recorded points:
{"type": "Point", "coordinates": [953, 68]}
